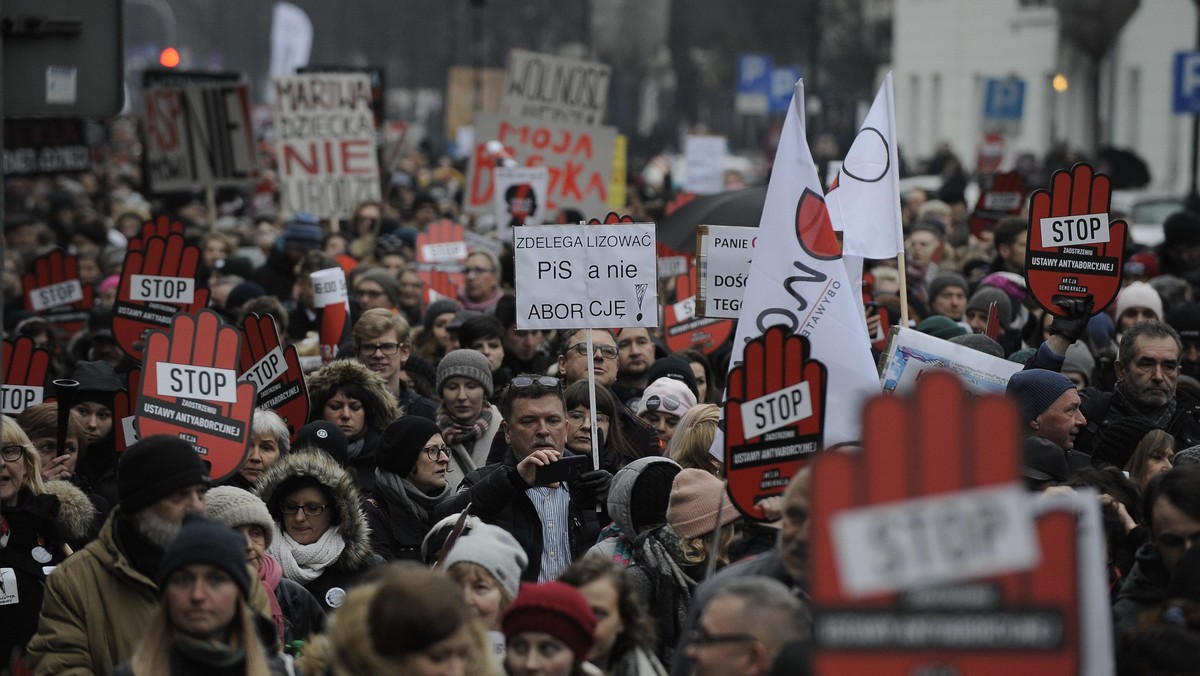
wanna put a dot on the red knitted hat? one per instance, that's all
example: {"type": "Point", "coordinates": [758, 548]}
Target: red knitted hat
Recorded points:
{"type": "Point", "coordinates": [555, 608]}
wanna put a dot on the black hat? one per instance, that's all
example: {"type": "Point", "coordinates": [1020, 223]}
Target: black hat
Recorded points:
{"type": "Point", "coordinates": [243, 293]}
{"type": "Point", "coordinates": [324, 436]}
{"type": "Point", "coordinates": [1043, 460]}
{"type": "Point", "coordinates": [401, 443]}
{"type": "Point", "coordinates": [97, 382]}
{"type": "Point", "coordinates": [675, 368]}
{"type": "Point", "coordinates": [651, 494]}
{"type": "Point", "coordinates": [156, 467]}
{"type": "Point", "coordinates": [202, 540]}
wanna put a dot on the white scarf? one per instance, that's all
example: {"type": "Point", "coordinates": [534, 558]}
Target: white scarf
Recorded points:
{"type": "Point", "coordinates": [305, 563]}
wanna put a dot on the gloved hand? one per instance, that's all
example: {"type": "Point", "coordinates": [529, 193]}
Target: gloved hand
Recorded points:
{"type": "Point", "coordinates": [591, 488]}
{"type": "Point", "coordinates": [1078, 312]}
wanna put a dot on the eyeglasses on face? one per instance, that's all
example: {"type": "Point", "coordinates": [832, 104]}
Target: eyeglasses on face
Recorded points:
{"type": "Point", "coordinates": [12, 453]}
{"type": "Point", "coordinates": [699, 637]}
{"type": "Point", "coordinates": [368, 293]}
{"type": "Point", "coordinates": [477, 271]}
{"type": "Point", "coordinates": [530, 381]}
{"type": "Point", "coordinates": [311, 509]}
{"type": "Point", "coordinates": [578, 417]}
{"type": "Point", "coordinates": [606, 351]}
{"type": "Point", "coordinates": [368, 349]}
{"type": "Point", "coordinates": [664, 403]}
{"type": "Point", "coordinates": [435, 452]}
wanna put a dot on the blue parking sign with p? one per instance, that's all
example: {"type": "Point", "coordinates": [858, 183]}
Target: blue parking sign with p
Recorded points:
{"type": "Point", "coordinates": [1187, 83]}
{"type": "Point", "coordinates": [1004, 99]}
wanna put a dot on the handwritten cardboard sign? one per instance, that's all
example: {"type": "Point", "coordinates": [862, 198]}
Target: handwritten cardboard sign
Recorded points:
{"type": "Point", "coordinates": [586, 276]}
{"type": "Point", "coordinates": [199, 136]}
{"type": "Point", "coordinates": [555, 89]}
{"type": "Point", "coordinates": [190, 390]}
{"type": "Point", "coordinates": [325, 147]}
{"type": "Point", "coordinates": [579, 160]}
{"type": "Point", "coordinates": [723, 253]}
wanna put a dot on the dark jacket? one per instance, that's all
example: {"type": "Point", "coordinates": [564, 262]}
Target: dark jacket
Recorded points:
{"type": "Point", "coordinates": [1145, 588]}
{"type": "Point", "coordinates": [1184, 425]}
{"type": "Point", "coordinates": [183, 664]}
{"type": "Point", "coordinates": [497, 495]}
{"type": "Point", "coordinates": [303, 615]}
{"type": "Point", "coordinates": [277, 275]}
{"type": "Point", "coordinates": [415, 404]}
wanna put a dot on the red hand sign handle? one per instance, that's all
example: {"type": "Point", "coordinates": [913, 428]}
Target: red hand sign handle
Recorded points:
{"type": "Point", "coordinates": [1075, 193]}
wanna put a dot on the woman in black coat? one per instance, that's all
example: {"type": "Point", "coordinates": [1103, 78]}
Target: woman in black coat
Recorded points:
{"type": "Point", "coordinates": [410, 481]}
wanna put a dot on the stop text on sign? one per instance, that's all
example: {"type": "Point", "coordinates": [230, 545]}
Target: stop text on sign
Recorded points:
{"type": "Point", "coordinates": [777, 409]}
{"type": "Point", "coordinates": [54, 295]}
{"type": "Point", "coordinates": [1074, 230]}
{"type": "Point", "coordinates": [197, 382]}
{"type": "Point", "coordinates": [178, 290]}
{"type": "Point", "coordinates": [267, 369]}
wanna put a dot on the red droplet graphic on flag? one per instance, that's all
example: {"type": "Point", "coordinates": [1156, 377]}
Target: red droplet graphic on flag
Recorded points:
{"type": "Point", "coordinates": [814, 229]}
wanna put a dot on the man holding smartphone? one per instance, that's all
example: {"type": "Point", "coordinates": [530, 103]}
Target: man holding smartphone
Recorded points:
{"type": "Point", "coordinates": [550, 512]}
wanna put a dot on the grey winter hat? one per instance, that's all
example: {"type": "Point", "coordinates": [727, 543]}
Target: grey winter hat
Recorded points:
{"type": "Point", "coordinates": [496, 550]}
{"type": "Point", "coordinates": [467, 363]}
{"type": "Point", "coordinates": [1080, 360]}
{"type": "Point", "coordinates": [980, 343]}
{"type": "Point", "coordinates": [1187, 456]}
{"type": "Point", "coordinates": [235, 507]}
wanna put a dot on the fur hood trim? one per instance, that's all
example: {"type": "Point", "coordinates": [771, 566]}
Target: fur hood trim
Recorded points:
{"type": "Point", "coordinates": [76, 513]}
{"type": "Point", "coordinates": [381, 407]}
{"type": "Point", "coordinates": [322, 469]}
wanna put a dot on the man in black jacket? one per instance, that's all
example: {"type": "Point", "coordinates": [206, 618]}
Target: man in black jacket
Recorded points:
{"type": "Point", "coordinates": [554, 523]}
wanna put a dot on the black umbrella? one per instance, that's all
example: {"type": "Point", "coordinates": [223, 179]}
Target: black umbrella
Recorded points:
{"type": "Point", "coordinates": [734, 207]}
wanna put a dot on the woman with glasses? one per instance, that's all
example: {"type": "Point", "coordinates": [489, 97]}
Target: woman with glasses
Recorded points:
{"type": "Point", "coordinates": [467, 420]}
{"type": "Point", "coordinates": [615, 452]}
{"type": "Point", "coordinates": [481, 282]}
{"type": "Point", "coordinates": [36, 520]}
{"type": "Point", "coordinates": [350, 395]}
{"type": "Point", "coordinates": [324, 540]}
{"type": "Point", "coordinates": [410, 481]}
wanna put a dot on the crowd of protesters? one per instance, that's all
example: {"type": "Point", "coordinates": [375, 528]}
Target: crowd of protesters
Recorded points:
{"type": "Point", "coordinates": [428, 435]}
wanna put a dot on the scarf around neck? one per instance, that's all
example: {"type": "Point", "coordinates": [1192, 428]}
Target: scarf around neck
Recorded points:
{"type": "Point", "coordinates": [1160, 416]}
{"type": "Point", "coordinates": [454, 432]}
{"type": "Point", "coordinates": [207, 653]}
{"type": "Point", "coordinates": [270, 573]}
{"type": "Point", "coordinates": [401, 493]}
{"type": "Point", "coordinates": [305, 563]}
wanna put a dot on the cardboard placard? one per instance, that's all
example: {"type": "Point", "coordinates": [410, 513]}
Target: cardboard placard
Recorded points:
{"type": "Point", "coordinates": [704, 159]}
{"type": "Point", "coordinates": [1073, 250]}
{"type": "Point", "coordinates": [928, 556]}
{"type": "Point", "coordinates": [1006, 197]}
{"type": "Point", "coordinates": [579, 161]}
{"type": "Point", "coordinates": [912, 355]}
{"type": "Point", "coordinates": [325, 143]}
{"type": "Point", "coordinates": [199, 136]}
{"type": "Point", "coordinates": [332, 301]}
{"type": "Point", "coordinates": [774, 417]}
{"type": "Point", "coordinates": [683, 328]}
{"type": "Point", "coordinates": [555, 88]}
{"type": "Point", "coordinates": [190, 390]}
{"type": "Point", "coordinates": [25, 368]}
{"type": "Point", "coordinates": [49, 146]}
{"type": "Point", "coordinates": [275, 371]}
{"type": "Point", "coordinates": [54, 291]}
{"type": "Point", "coordinates": [165, 285]}
{"type": "Point", "coordinates": [125, 410]}
{"type": "Point", "coordinates": [723, 253]}
{"type": "Point", "coordinates": [520, 197]}
{"type": "Point", "coordinates": [589, 276]}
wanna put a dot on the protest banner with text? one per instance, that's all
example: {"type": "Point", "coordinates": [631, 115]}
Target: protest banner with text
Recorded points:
{"type": "Point", "coordinates": [555, 89]}
{"type": "Point", "coordinates": [325, 143]}
{"type": "Point", "coordinates": [723, 253]}
{"type": "Point", "coordinates": [199, 136]}
{"type": "Point", "coordinates": [47, 146]}
{"type": "Point", "coordinates": [704, 160]}
{"type": "Point", "coordinates": [911, 355]}
{"type": "Point", "coordinates": [275, 370]}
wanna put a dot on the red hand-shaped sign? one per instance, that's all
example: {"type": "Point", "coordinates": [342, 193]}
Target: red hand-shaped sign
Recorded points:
{"type": "Point", "coordinates": [190, 390]}
{"type": "Point", "coordinates": [610, 219]}
{"type": "Point", "coordinates": [926, 551]}
{"type": "Point", "coordinates": [1073, 249]}
{"type": "Point", "coordinates": [682, 329]}
{"type": "Point", "coordinates": [441, 250]}
{"type": "Point", "coordinates": [774, 417]}
{"type": "Point", "coordinates": [54, 290]}
{"type": "Point", "coordinates": [25, 367]}
{"type": "Point", "coordinates": [161, 227]}
{"type": "Point", "coordinates": [125, 410]}
{"type": "Point", "coordinates": [1004, 198]}
{"type": "Point", "coordinates": [156, 284]}
{"type": "Point", "coordinates": [275, 370]}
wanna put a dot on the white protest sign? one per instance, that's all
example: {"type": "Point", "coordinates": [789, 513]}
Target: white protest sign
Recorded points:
{"type": "Point", "coordinates": [325, 145]}
{"type": "Point", "coordinates": [555, 89]}
{"type": "Point", "coordinates": [197, 382]}
{"type": "Point", "coordinates": [329, 287]}
{"type": "Point", "coordinates": [520, 195]}
{"type": "Point", "coordinates": [589, 276]}
{"type": "Point", "coordinates": [912, 353]}
{"type": "Point", "coordinates": [162, 289]}
{"type": "Point", "coordinates": [17, 398]}
{"type": "Point", "coordinates": [704, 157]}
{"type": "Point", "coordinates": [199, 136]}
{"type": "Point", "coordinates": [929, 541]}
{"type": "Point", "coordinates": [54, 295]}
{"type": "Point", "coordinates": [1060, 231]}
{"type": "Point", "coordinates": [724, 253]}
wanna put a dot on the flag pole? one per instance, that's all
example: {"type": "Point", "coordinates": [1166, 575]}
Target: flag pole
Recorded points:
{"type": "Point", "coordinates": [903, 289]}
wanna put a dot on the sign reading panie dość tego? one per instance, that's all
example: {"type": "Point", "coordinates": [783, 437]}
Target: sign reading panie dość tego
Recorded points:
{"type": "Point", "coordinates": [591, 276]}
{"type": "Point", "coordinates": [724, 253]}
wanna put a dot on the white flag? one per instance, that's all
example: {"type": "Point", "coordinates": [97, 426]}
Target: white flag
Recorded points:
{"type": "Point", "coordinates": [797, 280]}
{"type": "Point", "coordinates": [864, 202]}
{"type": "Point", "coordinates": [291, 42]}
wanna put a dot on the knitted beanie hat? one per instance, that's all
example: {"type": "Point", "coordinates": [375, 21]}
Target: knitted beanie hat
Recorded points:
{"type": "Point", "coordinates": [304, 231]}
{"type": "Point", "coordinates": [1187, 456]}
{"type": "Point", "coordinates": [1139, 294]}
{"type": "Point", "coordinates": [496, 550]}
{"type": "Point", "coordinates": [436, 309]}
{"type": "Point", "coordinates": [401, 443]}
{"type": "Point", "coordinates": [943, 281]}
{"type": "Point", "coordinates": [1185, 318]}
{"type": "Point", "coordinates": [324, 436]}
{"type": "Point", "coordinates": [1119, 438]}
{"type": "Point", "coordinates": [675, 368]}
{"type": "Point", "coordinates": [1043, 460]}
{"type": "Point", "coordinates": [235, 507]}
{"type": "Point", "coordinates": [692, 511]}
{"type": "Point", "coordinates": [202, 540]}
{"type": "Point", "coordinates": [555, 608]}
{"type": "Point", "coordinates": [941, 326]}
{"type": "Point", "coordinates": [1022, 355]}
{"type": "Point", "coordinates": [1012, 284]}
{"type": "Point", "coordinates": [983, 299]}
{"type": "Point", "coordinates": [1036, 389]}
{"type": "Point", "coordinates": [650, 494]}
{"type": "Point", "coordinates": [156, 467]}
{"type": "Point", "coordinates": [385, 280]}
{"type": "Point", "coordinates": [468, 364]}
{"type": "Point", "coordinates": [667, 395]}
{"type": "Point", "coordinates": [980, 343]}
{"type": "Point", "coordinates": [1080, 360]}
